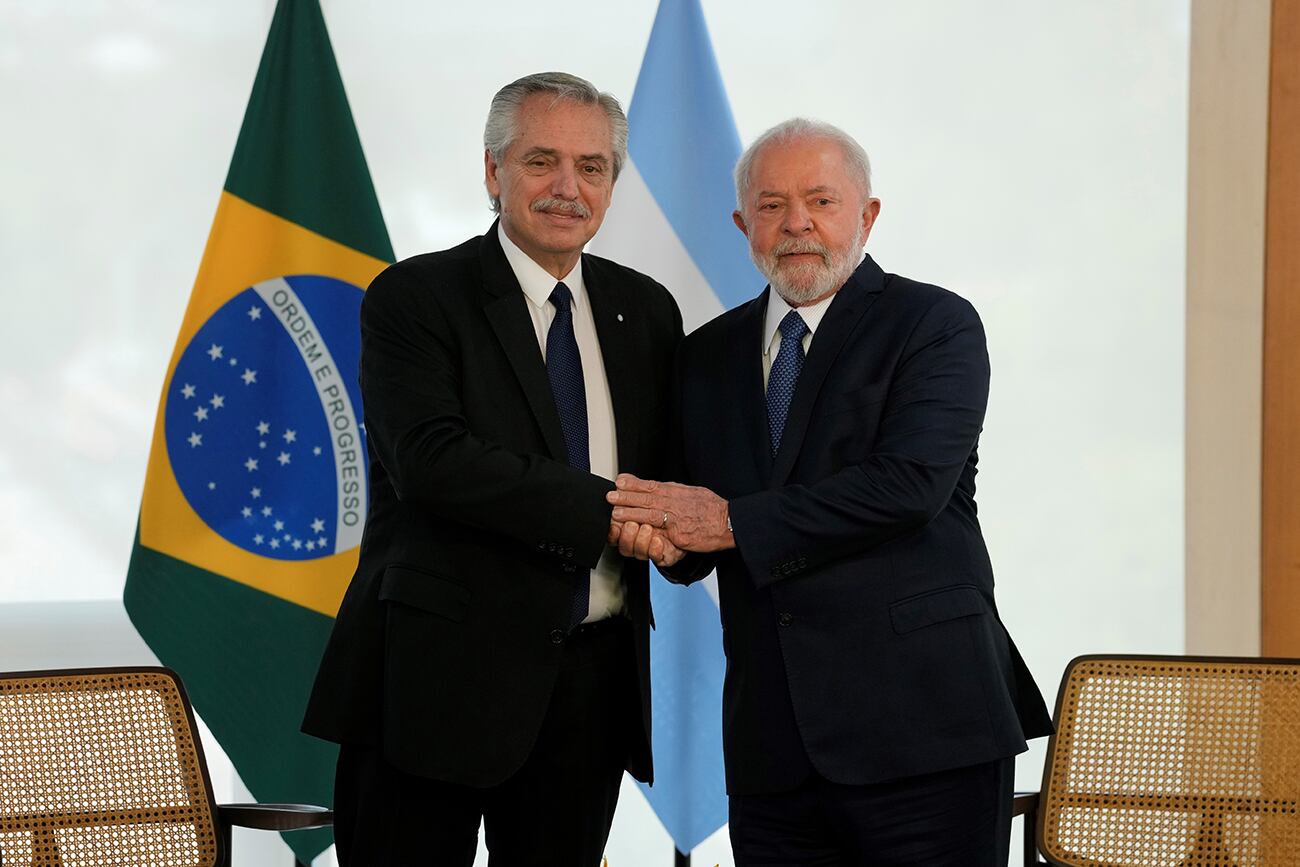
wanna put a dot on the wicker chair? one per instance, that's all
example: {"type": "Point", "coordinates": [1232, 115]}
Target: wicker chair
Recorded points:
{"type": "Point", "coordinates": [1168, 760]}
{"type": "Point", "coordinates": [104, 767]}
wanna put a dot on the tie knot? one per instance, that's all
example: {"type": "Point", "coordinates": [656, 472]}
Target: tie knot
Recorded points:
{"type": "Point", "coordinates": [561, 297]}
{"type": "Point", "coordinates": [792, 327]}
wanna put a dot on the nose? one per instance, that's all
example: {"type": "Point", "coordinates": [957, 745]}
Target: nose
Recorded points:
{"type": "Point", "coordinates": [564, 184]}
{"type": "Point", "coordinates": [797, 219]}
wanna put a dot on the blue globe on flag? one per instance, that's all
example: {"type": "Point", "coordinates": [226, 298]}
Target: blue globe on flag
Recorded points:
{"type": "Point", "coordinates": [263, 419]}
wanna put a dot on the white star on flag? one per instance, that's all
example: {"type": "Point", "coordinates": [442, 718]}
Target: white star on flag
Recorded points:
{"type": "Point", "coordinates": [283, 458]}
{"type": "Point", "coordinates": [311, 546]}
{"type": "Point", "coordinates": [255, 312]}
{"type": "Point", "coordinates": [316, 450]}
{"type": "Point", "coordinates": [250, 464]}
{"type": "Point", "coordinates": [196, 440]}
{"type": "Point", "coordinates": [218, 401]}
{"type": "Point", "coordinates": [275, 543]}
{"type": "Point", "coordinates": [263, 428]}
{"type": "Point", "coordinates": [215, 352]}
{"type": "Point", "coordinates": [279, 525]}
{"type": "Point", "coordinates": [258, 538]}
{"type": "Point", "coordinates": [297, 544]}
{"type": "Point", "coordinates": [201, 413]}
{"type": "Point", "coordinates": [246, 512]}
{"type": "Point", "coordinates": [188, 391]}
{"type": "Point", "coordinates": [290, 435]}
{"type": "Point", "coordinates": [266, 511]}
{"type": "Point", "coordinates": [250, 376]}
{"type": "Point", "coordinates": [317, 525]}
{"type": "Point", "coordinates": [255, 493]}
{"type": "Point", "coordinates": [321, 542]}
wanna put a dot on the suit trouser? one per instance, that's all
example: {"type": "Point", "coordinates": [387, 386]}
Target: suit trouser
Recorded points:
{"type": "Point", "coordinates": [955, 818]}
{"type": "Point", "coordinates": [555, 811]}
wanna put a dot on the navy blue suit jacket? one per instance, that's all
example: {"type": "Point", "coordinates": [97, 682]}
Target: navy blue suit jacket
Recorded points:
{"type": "Point", "coordinates": [862, 637]}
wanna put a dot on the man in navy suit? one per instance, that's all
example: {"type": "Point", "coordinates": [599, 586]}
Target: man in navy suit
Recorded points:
{"type": "Point", "coordinates": [829, 428]}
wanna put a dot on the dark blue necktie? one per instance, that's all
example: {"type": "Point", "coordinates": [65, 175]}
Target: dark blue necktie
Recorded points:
{"type": "Point", "coordinates": [783, 376]}
{"type": "Point", "coordinates": [564, 369]}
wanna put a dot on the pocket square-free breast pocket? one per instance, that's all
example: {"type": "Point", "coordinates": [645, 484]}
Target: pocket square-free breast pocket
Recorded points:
{"type": "Point", "coordinates": [855, 398]}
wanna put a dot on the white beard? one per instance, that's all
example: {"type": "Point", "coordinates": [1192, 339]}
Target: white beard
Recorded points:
{"type": "Point", "coordinates": [805, 282]}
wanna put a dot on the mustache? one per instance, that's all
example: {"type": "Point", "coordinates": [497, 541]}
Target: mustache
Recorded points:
{"type": "Point", "coordinates": [793, 246]}
{"type": "Point", "coordinates": [563, 206]}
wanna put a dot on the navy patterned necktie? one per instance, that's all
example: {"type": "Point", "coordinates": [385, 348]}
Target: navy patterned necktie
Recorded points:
{"type": "Point", "coordinates": [564, 369]}
{"type": "Point", "coordinates": [784, 375]}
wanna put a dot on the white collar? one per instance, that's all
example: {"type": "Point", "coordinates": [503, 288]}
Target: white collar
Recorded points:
{"type": "Point", "coordinates": [536, 281]}
{"type": "Point", "coordinates": [777, 307]}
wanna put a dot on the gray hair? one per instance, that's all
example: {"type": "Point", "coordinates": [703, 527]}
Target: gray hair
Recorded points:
{"type": "Point", "coordinates": [502, 121]}
{"type": "Point", "coordinates": [802, 128]}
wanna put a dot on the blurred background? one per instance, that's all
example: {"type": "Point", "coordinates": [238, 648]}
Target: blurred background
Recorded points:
{"type": "Point", "coordinates": [1031, 156]}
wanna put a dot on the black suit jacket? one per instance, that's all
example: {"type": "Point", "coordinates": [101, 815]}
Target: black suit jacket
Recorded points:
{"type": "Point", "coordinates": [861, 633]}
{"type": "Point", "coordinates": [448, 640]}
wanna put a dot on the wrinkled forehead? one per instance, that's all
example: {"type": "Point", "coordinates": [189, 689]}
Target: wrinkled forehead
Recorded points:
{"type": "Point", "coordinates": [560, 125]}
{"type": "Point", "coordinates": [801, 167]}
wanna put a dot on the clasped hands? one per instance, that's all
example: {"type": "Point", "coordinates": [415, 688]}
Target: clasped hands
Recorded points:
{"type": "Point", "coordinates": [661, 521]}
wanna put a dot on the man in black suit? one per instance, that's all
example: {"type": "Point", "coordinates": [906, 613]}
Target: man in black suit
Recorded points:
{"type": "Point", "coordinates": [491, 656]}
{"type": "Point", "coordinates": [873, 701]}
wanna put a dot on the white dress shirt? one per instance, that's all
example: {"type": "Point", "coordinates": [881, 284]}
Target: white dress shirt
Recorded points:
{"type": "Point", "coordinates": [777, 307]}
{"type": "Point", "coordinates": [538, 283]}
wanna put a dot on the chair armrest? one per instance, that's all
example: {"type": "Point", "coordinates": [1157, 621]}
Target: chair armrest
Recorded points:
{"type": "Point", "coordinates": [274, 817]}
{"type": "Point", "coordinates": [1024, 804]}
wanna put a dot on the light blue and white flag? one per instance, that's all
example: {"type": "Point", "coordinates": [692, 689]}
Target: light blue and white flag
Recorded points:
{"type": "Point", "coordinates": [671, 219]}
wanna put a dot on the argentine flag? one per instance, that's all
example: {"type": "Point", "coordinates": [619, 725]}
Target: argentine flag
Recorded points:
{"type": "Point", "coordinates": [671, 219]}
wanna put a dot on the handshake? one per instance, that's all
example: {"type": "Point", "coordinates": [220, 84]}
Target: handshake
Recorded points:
{"type": "Point", "coordinates": [661, 521]}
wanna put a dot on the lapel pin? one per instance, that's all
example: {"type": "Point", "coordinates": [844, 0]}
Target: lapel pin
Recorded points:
{"type": "Point", "coordinates": [620, 317]}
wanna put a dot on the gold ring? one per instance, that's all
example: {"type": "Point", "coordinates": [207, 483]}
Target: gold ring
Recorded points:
{"type": "Point", "coordinates": [663, 525]}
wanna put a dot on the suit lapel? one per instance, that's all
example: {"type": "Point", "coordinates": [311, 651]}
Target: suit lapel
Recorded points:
{"type": "Point", "coordinates": [841, 319]}
{"type": "Point", "coordinates": [509, 318]}
{"type": "Point", "coordinates": [746, 363]}
{"type": "Point", "coordinates": [610, 311]}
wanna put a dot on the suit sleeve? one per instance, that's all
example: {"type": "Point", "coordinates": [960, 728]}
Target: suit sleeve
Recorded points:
{"type": "Point", "coordinates": [930, 427]}
{"type": "Point", "coordinates": [410, 383]}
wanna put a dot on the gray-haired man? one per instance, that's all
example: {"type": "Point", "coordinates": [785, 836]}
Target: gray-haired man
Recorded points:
{"type": "Point", "coordinates": [490, 660]}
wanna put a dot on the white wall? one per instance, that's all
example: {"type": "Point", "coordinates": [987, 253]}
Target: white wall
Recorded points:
{"type": "Point", "coordinates": [1031, 156]}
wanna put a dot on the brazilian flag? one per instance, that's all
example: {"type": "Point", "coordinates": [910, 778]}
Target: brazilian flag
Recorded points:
{"type": "Point", "coordinates": [255, 495]}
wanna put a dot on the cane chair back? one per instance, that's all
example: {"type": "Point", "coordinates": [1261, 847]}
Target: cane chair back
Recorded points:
{"type": "Point", "coordinates": [1174, 762]}
{"type": "Point", "coordinates": [102, 767]}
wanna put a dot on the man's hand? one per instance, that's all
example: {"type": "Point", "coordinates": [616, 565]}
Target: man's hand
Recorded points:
{"type": "Point", "coordinates": [644, 543]}
{"type": "Point", "coordinates": [692, 519]}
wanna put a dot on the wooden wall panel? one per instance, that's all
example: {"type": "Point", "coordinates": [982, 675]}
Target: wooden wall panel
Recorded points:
{"type": "Point", "coordinates": [1227, 147]}
{"type": "Point", "coordinates": [1280, 494]}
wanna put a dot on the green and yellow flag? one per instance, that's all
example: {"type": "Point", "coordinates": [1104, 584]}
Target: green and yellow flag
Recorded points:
{"type": "Point", "coordinates": [256, 489]}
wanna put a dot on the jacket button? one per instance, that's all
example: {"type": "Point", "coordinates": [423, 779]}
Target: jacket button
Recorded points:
{"type": "Point", "coordinates": [785, 618]}
{"type": "Point", "coordinates": [557, 636]}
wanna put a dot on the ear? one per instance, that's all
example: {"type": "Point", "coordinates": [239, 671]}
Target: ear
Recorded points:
{"type": "Point", "coordinates": [739, 220]}
{"type": "Point", "coordinates": [869, 214]}
{"type": "Point", "coordinates": [490, 175]}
